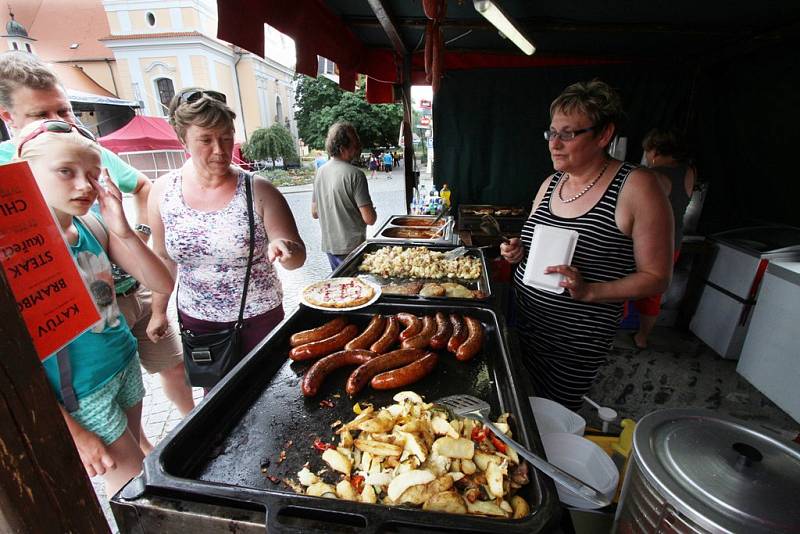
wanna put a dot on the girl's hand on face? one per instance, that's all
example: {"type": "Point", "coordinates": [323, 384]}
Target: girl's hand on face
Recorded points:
{"type": "Point", "coordinates": [110, 200]}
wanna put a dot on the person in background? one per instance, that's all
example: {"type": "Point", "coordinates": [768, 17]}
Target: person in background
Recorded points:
{"type": "Point", "coordinates": [395, 159]}
{"type": "Point", "coordinates": [29, 90]}
{"type": "Point", "coordinates": [320, 160]}
{"type": "Point", "coordinates": [373, 165]}
{"type": "Point", "coordinates": [201, 227]}
{"type": "Point", "coordinates": [102, 401]}
{"type": "Point", "coordinates": [624, 248]}
{"type": "Point", "coordinates": [665, 155]}
{"type": "Point", "coordinates": [388, 162]}
{"type": "Point", "coordinates": [341, 198]}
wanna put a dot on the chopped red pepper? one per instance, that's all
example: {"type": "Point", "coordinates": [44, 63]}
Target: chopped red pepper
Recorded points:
{"type": "Point", "coordinates": [478, 434]}
{"type": "Point", "coordinates": [499, 445]}
{"type": "Point", "coordinates": [321, 445]}
{"type": "Point", "coordinates": [357, 481]}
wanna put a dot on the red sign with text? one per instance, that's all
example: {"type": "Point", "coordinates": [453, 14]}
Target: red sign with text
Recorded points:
{"type": "Point", "coordinates": [50, 293]}
{"type": "Point", "coordinates": [425, 121]}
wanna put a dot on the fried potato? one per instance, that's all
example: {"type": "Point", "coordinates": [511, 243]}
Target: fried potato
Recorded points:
{"type": "Point", "coordinates": [321, 489]}
{"type": "Point", "coordinates": [520, 507]}
{"type": "Point", "coordinates": [468, 467]}
{"type": "Point", "coordinates": [413, 446]}
{"type": "Point", "coordinates": [454, 448]}
{"type": "Point", "coordinates": [407, 396]}
{"type": "Point", "coordinates": [446, 501]}
{"type": "Point", "coordinates": [483, 459]}
{"type": "Point", "coordinates": [402, 482]}
{"type": "Point", "coordinates": [486, 508]}
{"type": "Point", "coordinates": [377, 448]}
{"type": "Point", "coordinates": [441, 427]}
{"type": "Point", "coordinates": [368, 495]}
{"type": "Point", "coordinates": [366, 413]}
{"type": "Point", "coordinates": [346, 439]}
{"type": "Point", "coordinates": [494, 478]}
{"type": "Point", "coordinates": [306, 477]}
{"type": "Point", "coordinates": [345, 491]}
{"type": "Point", "coordinates": [337, 461]}
{"type": "Point", "coordinates": [384, 422]}
{"type": "Point", "coordinates": [413, 495]}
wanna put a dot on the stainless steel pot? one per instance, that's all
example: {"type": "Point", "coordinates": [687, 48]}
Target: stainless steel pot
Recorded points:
{"type": "Point", "coordinates": [696, 471]}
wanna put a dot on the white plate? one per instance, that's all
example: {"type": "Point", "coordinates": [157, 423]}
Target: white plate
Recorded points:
{"type": "Point", "coordinates": [371, 301]}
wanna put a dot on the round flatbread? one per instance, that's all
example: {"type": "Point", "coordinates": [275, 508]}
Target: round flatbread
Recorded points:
{"type": "Point", "coordinates": [338, 293]}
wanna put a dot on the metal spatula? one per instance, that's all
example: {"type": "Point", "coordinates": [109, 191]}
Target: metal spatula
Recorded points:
{"type": "Point", "coordinates": [491, 227]}
{"type": "Point", "coordinates": [474, 408]}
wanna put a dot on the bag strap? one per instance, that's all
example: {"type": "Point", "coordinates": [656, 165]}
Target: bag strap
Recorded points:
{"type": "Point", "coordinates": [248, 187]}
{"type": "Point", "coordinates": [68, 397]}
{"type": "Point", "coordinates": [95, 227]}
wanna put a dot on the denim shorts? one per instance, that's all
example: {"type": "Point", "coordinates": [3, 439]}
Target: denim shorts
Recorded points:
{"type": "Point", "coordinates": [103, 411]}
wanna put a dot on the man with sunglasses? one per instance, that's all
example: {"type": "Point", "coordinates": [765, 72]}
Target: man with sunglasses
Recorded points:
{"type": "Point", "coordinates": [30, 91]}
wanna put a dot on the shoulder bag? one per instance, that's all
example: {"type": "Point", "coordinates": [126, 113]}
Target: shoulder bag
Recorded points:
{"type": "Point", "coordinates": [209, 357]}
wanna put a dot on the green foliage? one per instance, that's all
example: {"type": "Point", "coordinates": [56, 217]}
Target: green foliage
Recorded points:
{"type": "Point", "coordinates": [320, 103]}
{"type": "Point", "coordinates": [280, 177]}
{"type": "Point", "coordinates": [270, 143]}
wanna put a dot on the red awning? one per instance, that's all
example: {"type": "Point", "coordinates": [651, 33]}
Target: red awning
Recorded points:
{"type": "Point", "coordinates": [141, 134]}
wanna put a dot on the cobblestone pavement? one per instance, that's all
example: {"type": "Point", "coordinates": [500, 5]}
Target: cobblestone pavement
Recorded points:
{"type": "Point", "coordinates": [159, 416]}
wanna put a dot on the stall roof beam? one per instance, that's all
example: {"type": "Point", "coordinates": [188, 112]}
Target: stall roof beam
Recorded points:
{"type": "Point", "coordinates": [387, 23]}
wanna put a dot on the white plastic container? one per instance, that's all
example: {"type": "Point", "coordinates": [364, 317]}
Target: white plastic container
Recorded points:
{"type": "Point", "coordinates": [554, 417]}
{"type": "Point", "coordinates": [585, 460]}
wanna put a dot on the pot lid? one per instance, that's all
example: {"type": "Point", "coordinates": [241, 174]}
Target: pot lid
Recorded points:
{"type": "Point", "coordinates": [719, 472]}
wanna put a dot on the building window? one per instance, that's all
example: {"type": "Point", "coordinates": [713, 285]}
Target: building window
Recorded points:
{"type": "Point", "coordinates": [28, 47]}
{"type": "Point", "coordinates": [15, 45]}
{"type": "Point", "coordinates": [278, 109]}
{"type": "Point", "coordinates": [166, 90]}
{"type": "Point", "coordinates": [151, 19]}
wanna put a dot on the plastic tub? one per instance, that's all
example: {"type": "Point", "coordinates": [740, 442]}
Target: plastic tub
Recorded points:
{"type": "Point", "coordinates": [582, 459]}
{"type": "Point", "coordinates": [553, 417]}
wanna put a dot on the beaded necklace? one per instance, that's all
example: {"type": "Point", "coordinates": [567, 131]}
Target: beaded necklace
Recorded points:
{"type": "Point", "coordinates": [585, 189]}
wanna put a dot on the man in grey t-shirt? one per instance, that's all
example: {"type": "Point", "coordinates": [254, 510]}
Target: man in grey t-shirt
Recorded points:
{"type": "Point", "coordinates": [341, 198]}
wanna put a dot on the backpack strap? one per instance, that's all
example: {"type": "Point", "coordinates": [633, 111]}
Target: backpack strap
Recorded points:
{"type": "Point", "coordinates": [68, 396]}
{"type": "Point", "coordinates": [96, 227]}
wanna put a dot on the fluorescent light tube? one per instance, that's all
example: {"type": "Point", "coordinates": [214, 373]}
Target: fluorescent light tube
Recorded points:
{"type": "Point", "coordinates": [495, 15]}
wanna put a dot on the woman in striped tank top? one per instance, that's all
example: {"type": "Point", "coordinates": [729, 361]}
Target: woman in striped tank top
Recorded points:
{"type": "Point", "coordinates": [624, 248]}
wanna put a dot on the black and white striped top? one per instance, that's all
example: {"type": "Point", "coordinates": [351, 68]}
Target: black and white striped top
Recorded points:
{"type": "Point", "coordinates": [564, 340]}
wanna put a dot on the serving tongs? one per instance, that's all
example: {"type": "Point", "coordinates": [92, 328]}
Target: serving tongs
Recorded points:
{"type": "Point", "coordinates": [438, 218]}
{"type": "Point", "coordinates": [478, 410]}
{"type": "Point", "coordinates": [491, 227]}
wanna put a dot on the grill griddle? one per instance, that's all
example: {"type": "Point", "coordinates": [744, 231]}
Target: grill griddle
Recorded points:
{"type": "Point", "coordinates": [227, 448]}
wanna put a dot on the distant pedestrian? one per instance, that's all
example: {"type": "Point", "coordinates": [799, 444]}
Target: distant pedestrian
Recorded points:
{"type": "Point", "coordinates": [395, 159]}
{"type": "Point", "coordinates": [373, 165]}
{"type": "Point", "coordinates": [341, 198]}
{"type": "Point", "coordinates": [388, 161]}
{"type": "Point", "coordinates": [320, 160]}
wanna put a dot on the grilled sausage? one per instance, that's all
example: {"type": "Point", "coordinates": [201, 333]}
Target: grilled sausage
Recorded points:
{"type": "Point", "coordinates": [444, 329]}
{"type": "Point", "coordinates": [391, 360]}
{"type": "Point", "coordinates": [388, 337]}
{"type": "Point", "coordinates": [317, 349]}
{"type": "Point", "coordinates": [316, 374]}
{"type": "Point", "coordinates": [370, 334]}
{"type": "Point", "coordinates": [474, 341]}
{"type": "Point", "coordinates": [412, 323]}
{"type": "Point", "coordinates": [423, 339]}
{"type": "Point", "coordinates": [319, 333]}
{"type": "Point", "coordinates": [459, 332]}
{"type": "Point", "coordinates": [408, 374]}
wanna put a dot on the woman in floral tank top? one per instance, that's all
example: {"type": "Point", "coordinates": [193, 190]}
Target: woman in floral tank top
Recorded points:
{"type": "Point", "coordinates": [201, 230]}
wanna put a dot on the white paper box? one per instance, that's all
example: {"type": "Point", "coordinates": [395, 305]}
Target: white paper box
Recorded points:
{"type": "Point", "coordinates": [549, 246]}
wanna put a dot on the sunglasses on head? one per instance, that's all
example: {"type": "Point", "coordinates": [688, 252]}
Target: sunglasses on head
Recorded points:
{"type": "Point", "coordinates": [55, 126]}
{"type": "Point", "coordinates": [193, 95]}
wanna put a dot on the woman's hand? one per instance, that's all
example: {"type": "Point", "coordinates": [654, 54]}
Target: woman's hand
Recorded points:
{"type": "Point", "coordinates": [110, 200]}
{"type": "Point", "coordinates": [282, 250]}
{"type": "Point", "coordinates": [93, 453]}
{"type": "Point", "coordinates": [512, 251]}
{"type": "Point", "coordinates": [573, 281]}
{"type": "Point", "coordinates": [157, 326]}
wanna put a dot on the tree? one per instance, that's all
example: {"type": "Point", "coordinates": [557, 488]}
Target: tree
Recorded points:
{"type": "Point", "coordinates": [320, 103]}
{"type": "Point", "coordinates": [270, 143]}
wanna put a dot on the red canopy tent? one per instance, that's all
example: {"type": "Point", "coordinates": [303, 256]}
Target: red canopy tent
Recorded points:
{"type": "Point", "coordinates": [142, 134]}
{"type": "Point", "coordinates": [148, 144]}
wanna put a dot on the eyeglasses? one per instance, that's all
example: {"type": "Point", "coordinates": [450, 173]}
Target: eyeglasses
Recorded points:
{"type": "Point", "coordinates": [551, 135]}
{"type": "Point", "coordinates": [55, 126]}
{"type": "Point", "coordinates": [193, 95]}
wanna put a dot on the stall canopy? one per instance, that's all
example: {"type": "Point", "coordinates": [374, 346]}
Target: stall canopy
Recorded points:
{"type": "Point", "coordinates": [142, 134]}
{"type": "Point", "coordinates": [721, 72]}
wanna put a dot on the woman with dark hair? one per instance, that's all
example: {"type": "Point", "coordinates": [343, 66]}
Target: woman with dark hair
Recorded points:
{"type": "Point", "coordinates": [201, 229]}
{"type": "Point", "coordinates": [665, 155]}
{"type": "Point", "coordinates": [623, 251]}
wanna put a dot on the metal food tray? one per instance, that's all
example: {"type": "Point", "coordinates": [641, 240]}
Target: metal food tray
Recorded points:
{"type": "Point", "coordinates": [448, 236]}
{"type": "Point", "coordinates": [349, 267]}
{"type": "Point", "coordinates": [510, 224]}
{"type": "Point", "coordinates": [215, 455]}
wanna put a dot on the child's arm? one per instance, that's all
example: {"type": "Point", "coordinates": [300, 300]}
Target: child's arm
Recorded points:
{"type": "Point", "coordinates": [124, 247]}
{"type": "Point", "coordinates": [91, 448]}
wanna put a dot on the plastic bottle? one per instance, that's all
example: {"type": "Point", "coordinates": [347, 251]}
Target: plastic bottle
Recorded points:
{"type": "Point", "coordinates": [445, 194]}
{"type": "Point", "coordinates": [422, 202]}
